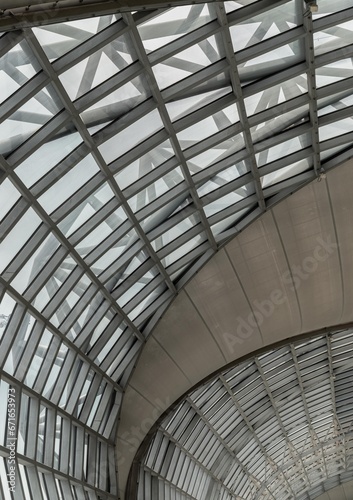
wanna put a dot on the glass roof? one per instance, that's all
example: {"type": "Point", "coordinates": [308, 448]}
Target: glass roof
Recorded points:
{"type": "Point", "coordinates": [278, 426]}
{"type": "Point", "coordinates": [132, 146]}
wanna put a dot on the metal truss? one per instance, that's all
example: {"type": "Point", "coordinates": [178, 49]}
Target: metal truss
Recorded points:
{"type": "Point", "coordinates": [133, 145]}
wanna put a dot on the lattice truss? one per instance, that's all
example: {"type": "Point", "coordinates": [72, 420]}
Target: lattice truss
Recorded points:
{"type": "Point", "coordinates": [279, 426]}
{"type": "Point", "coordinates": [131, 147]}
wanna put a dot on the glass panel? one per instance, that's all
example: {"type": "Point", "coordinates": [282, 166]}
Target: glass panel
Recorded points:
{"type": "Point", "coordinates": [263, 65]}
{"type": "Point", "coordinates": [56, 280]}
{"type": "Point", "coordinates": [35, 264]}
{"type": "Point", "coordinates": [182, 107]}
{"type": "Point", "coordinates": [7, 305]}
{"type": "Point", "coordinates": [227, 223]}
{"type": "Point", "coordinates": [334, 72]}
{"type": "Point", "coordinates": [131, 136]}
{"type": "Point", "coordinates": [29, 118]}
{"type": "Point", "coordinates": [333, 38]}
{"type": "Point", "coordinates": [17, 66]}
{"type": "Point", "coordinates": [209, 126]}
{"type": "Point", "coordinates": [283, 149]}
{"type": "Point", "coordinates": [145, 164]}
{"type": "Point", "coordinates": [285, 173]}
{"type": "Point", "coordinates": [176, 231]}
{"type": "Point", "coordinates": [58, 39]}
{"type": "Point", "coordinates": [264, 26]}
{"type": "Point", "coordinates": [101, 232]}
{"type": "Point", "coordinates": [279, 123]}
{"type": "Point", "coordinates": [112, 254]}
{"type": "Point", "coordinates": [88, 209]}
{"type": "Point", "coordinates": [98, 67]}
{"type": "Point", "coordinates": [18, 237]}
{"type": "Point", "coordinates": [73, 297]}
{"type": "Point", "coordinates": [327, 7]}
{"type": "Point", "coordinates": [127, 271]}
{"type": "Point", "coordinates": [222, 178]}
{"type": "Point", "coordinates": [116, 103]}
{"type": "Point", "coordinates": [187, 62]}
{"type": "Point", "coordinates": [65, 187]}
{"type": "Point", "coordinates": [216, 154]}
{"type": "Point", "coordinates": [228, 200]}
{"type": "Point", "coordinates": [8, 197]}
{"type": "Point", "coordinates": [276, 94]}
{"type": "Point", "coordinates": [172, 24]}
{"type": "Point", "coordinates": [155, 190]}
{"type": "Point", "coordinates": [183, 250]}
{"type": "Point", "coordinates": [38, 358]}
{"type": "Point", "coordinates": [47, 156]}
{"type": "Point", "coordinates": [335, 129]}
{"type": "Point", "coordinates": [137, 287]}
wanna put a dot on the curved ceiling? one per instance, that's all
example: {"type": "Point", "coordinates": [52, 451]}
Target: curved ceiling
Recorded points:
{"type": "Point", "coordinates": [133, 147]}
{"type": "Point", "coordinates": [340, 492]}
{"type": "Point", "coordinates": [286, 275]}
{"type": "Point", "coordinates": [277, 426]}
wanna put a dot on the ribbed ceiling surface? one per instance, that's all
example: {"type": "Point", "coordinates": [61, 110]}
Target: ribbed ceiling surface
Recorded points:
{"type": "Point", "coordinates": [131, 148]}
{"type": "Point", "coordinates": [278, 426]}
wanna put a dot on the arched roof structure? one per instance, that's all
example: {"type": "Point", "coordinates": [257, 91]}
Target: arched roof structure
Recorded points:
{"type": "Point", "coordinates": [135, 146]}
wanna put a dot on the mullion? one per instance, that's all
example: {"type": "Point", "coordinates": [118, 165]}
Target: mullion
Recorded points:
{"type": "Point", "coordinates": [47, 361]}
{"type": "Point", "coordinates": [138, 151]}
{"type": "Point", "coordinates": [177, 191]}
{"type": "Point", "coordinates": [209, 110]}
{"type": "Point", "coordinates": [116, 350]}
{"type": "Point", "coordinates": [119, 237]}
{"type": "Point", "coordinates": [102, 409]}
{"type": "Point", "coordinates": [80, 379]}
{"type": "Point", "coordinates": [42, 136]}
{"type": "Point", "coordinates": [14, 324]}
{"type": "Point", "coordinates": [126, 75]}
{"type": "Point", "coordinates": [142, 294]}
{"type": "Point", "coordinates": [24, 253]}
{"type": "Point", "coordinates": [148, 311]}
{"type": "Point", "coordinates": [45, 274]}
{"type": "Point", "coordinates": [151, 177]}
{"type": "Point", "coordinates": [177, 242]}
{"type": "Point", "coordinates": [29, 351]}
{"type": "Point", "coordinates": [22, 95]}
{"type": "Point", "coordinates": [179, 88]}
{"type": "Point", "coordinates": [121, 261]}
{"type": "Point", "coordinates": [134, 277]}
{"type": "Point", "coordinates": [60, 296]}
{"type": "Point", "coordinates": [214, 140]}
{"type": "Point", "coordinates": [93, 351]}
{"type": "Point", "coordinates": [188, 258]}
{"type": "Point", "coordinates": [80, 306]}
{"type": "Point", "coordinates": [184, 42]}
{"type": "Point", "coordinates": [89, 327]}
{"type": "Point", "coordinates": [13, 217]}
{"type": "Point", "coordinates": [90, 397]}
{"type": "Point", "coordinates": [90, 46]}
{"type": "Point", "coordinates": [103, 215]}
{"type": "Point", "coordinates": [61, 383]}
{"type": "Point", "coordinates": [124, 363]}
{"type": "Point", "coordinates": [59, 170]}
{"type": "Point", "coordinates": [79, 196]}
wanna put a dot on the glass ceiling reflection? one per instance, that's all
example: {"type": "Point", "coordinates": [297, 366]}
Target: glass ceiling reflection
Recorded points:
{"type": "Point", "coordinates": [132, 147]}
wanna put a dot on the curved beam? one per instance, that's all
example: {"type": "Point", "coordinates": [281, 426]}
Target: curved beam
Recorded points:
{"type": "Point", "coordinates": [280, 278]}
{"type": "Point", "coordinates": [15, 14]}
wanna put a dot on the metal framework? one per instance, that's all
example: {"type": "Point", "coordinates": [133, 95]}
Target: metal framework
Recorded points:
{"type": "Point", "coordinates": [278, 426]}
{"type": "Point", "coordinates": [132, 146]}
